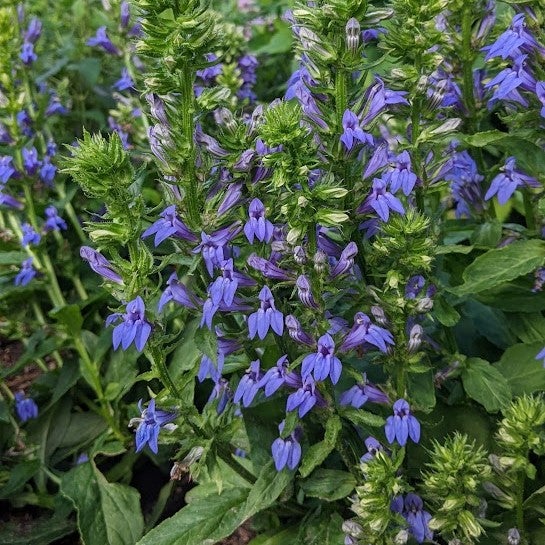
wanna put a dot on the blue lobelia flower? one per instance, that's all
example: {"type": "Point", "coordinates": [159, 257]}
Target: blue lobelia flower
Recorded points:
{"type": "Point", "coordinates": [7, 170]}
{"type": "Point", "coordinates": [364, 331]}
{"type": "Point", "coordinates": [27, 54]}
{"type": "Point", "coordinates": [124, 14]}
{"type": "Point", "coordinates": [296, 332]}
{"type": "Point", "coordinates": [323, 363]}
{"type": "Point", "coordinates": [30, 160]}
{"type": "Point", "coordinates": [169, 224]}
{"type": "Point", "coordinates": [102, 40]}
{"type": "Point", "coordinates": [362, 392]}
{"type": "Point", "coordinates": [222, 393]}
{"type": "Point", "coordinates": [540, 93]}
{"type": "Point", "coordinates": [305, 397]}
{"type": "Point", "coordinates": [223, 289]}
{"type": "Point", "coordinates": [304, 292]}
{"type": "Point", "coordinates": [99, 264]}
{"type": "Point", "coordinates": [24, 122]}
{"type": "Point", "coordinates": [277, 376]}
{"type": "Point", "coordinates": [287, 452]}
{"type": "Point", "coordinates": [26, 273]}
{"type": "Point", "coordinates": [352, 132]}
{"type": "Point", "coordinates": [134, 327]}
{"type": "Point", "coordinates": [373, 446]}
{"type": "Point", "coordinates": [346, 260]}
{"type": "Point", "coordinates": [47, 171]}
{"type": "Point", "coordinates": [212, 247]}
{"type": "Point", "coordinates": [25, 407]}
{"type": "Point", "coordinates": [124, 82]}
{"type": "Point", "coordinates": [268, 269]}
{"type": "Point", "coordinates": [29, 235]}
{"type": "Point", "coordinates": [400, 176]}
{"type": "Point", "coordinates": [53, 221]}
{"type": "Point", "coordinates": [378, 98]}
{"type": "Point", "coordinates": [381, 201]}
{"type": "Point", "coordinates": [150, 423]}
{"type": "Point", "coordinates": [514, 41]}
{"type": "Point", "coordinates": [249, 385]}
{"type": "Point", "coordinates": [402, 425]}
{"type": "Point", "coordinates": [265, 317]}
{"type": "Point", "coordinates": [506, 183]}
{"type": "Point", "coordinates": [412, 510]}
{"type": "Point", "coordinates": [34, 31]}
{"type": "Point", "coordinates": [177, 292]}
{"type": "Point", "coordinates": [258, 226]}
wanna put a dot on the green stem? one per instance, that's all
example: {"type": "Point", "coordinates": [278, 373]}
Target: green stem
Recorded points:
{"type": "Point", "coordinates": [401, 376]}
{"type": "Point", "coordinates": [158, 364]}
{"type": "Point", "coordinates": [227, 457]}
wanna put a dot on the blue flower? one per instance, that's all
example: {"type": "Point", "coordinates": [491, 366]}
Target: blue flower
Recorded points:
{"type": "Point", "coordinates": [33, 31]}
{"type": "Point", "coordinates": [381, 201]}
{"type": "Point", "coordinates": [305, 397]}
{"type": "Point", "coordinates": [167, 225]}
{"type": "Point", "coordinates": [222, 393]}
{"type": "Point", "coordinates": [352, 131]}
{"type": "Point", "coordinates": [265, 317]}
{"type": "Point", "coordinates": [26, 273]}
{"type": "Point", "coordinates": [364, 331]}
{"type": "Point", "coordinates": [257, 226]}
{"type": "Point", "coordinates": [212, 247]}
{"type": "Point", "coordinates": [30, 160]}
{"type": "Point", "coordinates": [378, 98]}
{"type": "Point", "coordinates": [412, 510]}
{"type": "Point", "coordinates": [277, 376]}
{"type": "Point", "coordinates": [7, 169]}
{"type": "Point", "coordinates": [24, 122]}
{"type": "Point", "coordinates": [541, 356]}
{"type": "Point", "coordinates": [176, 291]}
{"type": "Point", "coordinates": [27, 54]}
{"type": "Point", "coordinates": [53, 221]}
{"type": "Point", "coordinates": [124, 82]}
{"type": "Point", "coordinates": [134, 327]}
{"type": "Point", "coordinates": [506, 183]}
{"type": "Point", "coordinates": [296, 332]}
{"type": "Point", "coordinates": [304, 292]}
{"type": "Point", "coordinates": [149, 424]}
{"type": "Point", "coordinates": [286, 452]}
{"type": "Point", "coordinates": [401, 176]}
{"type": "Point", "coordinates": [102, 40]}
{"type": "Point", "coordinates": [25, 407]}
{"type": "Point", "coordinates": [124, 13]}
{"type": "Point", "coordinates": [323, 363]}
{"type": "Point", "coordinates": [540, 93]}
{"type": "Point", "coordinates": [346, 260]}
{"type": "Point", "coordinates": [48, 172]}
{"type": "Point", "coordinates": [360, 393]}
{"type": "Point", "coordinates": [268, 269]}
{"type": "Point", "coordinates": [373, 446]}
{"type": "Point", "coordinates": [99, 264]}
{"type": "Point", "coordinates": [402, 425]}
{"type": "Point", "coordinates": [29, 235]}
{"type": "Point", "coordinates": [249, 385]}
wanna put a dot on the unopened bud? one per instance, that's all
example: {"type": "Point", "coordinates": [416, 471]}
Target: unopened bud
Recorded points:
{"type": "Point", "coordinates": [415, 338]}
{"type": "Point", "coordinates": [299, 255]}
{"type": "Point", "coordinates": [401, 537]}
{"type": "Point", "coordinates": [378, 315]}
{"type": "Point", "coordinates": [424, 305]}
{"type": "Point", "coordinates": [225, 118]}
{"type": "Point", "coordinates": [513, 536]}
{"type": "Point", "coordinates": [320, 261]}
{"type": "Point", "coordinates": [353, 35]}
{"type": "Point", "coordinates": [352, 528]}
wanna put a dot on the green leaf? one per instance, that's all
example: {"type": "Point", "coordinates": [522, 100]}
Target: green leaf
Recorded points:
{"type": "Point", "coordinates": [520, 368]}
{"type": "Point", "coordinates": [187, 354]}
{"type": "Point", "coordinates": [486, 385]}
{"type": "Point", "coordinates": [363, 418]}
{"type": "Point", "coordinates": [453, 249]}
{"type": "Point", "coordinates": [207, 343]}
{"type": "Point", "coordinates": [212, 517]}
{"type": "Point", "coordinates": [107, 513]}
{"type": "Point", "coordinates": [528, 327]}
{"type": "Point", "coordinates": [487, 235]}
{"type": "Point", "coordinates": [329, 484]}
{"type": "Point", "coordinates": [281, 538]}
{"type": "Point", "coordinates": [70, 317]}
{"type": "Point", "coordinates": [482, 139]}
{"type": "Point", "coordinates": [501, 265]}
{"type": "Point", "coordinates": [515, 296]}
{"type": "Point", "coordinates": [18, 476]}
{"type": "Point", "coordinates": [36, 531]}
{"type": "Point", "coordinates": [317, 453]}
{"type": "Point", "coordinates": [12, 258]}
{"type": "Point", "coordinates": [325, 529]}
{"type": "Point", "coordinates": [490, 323]}
{"type": "Point", "coordinates": [445, 313]}
{"type": "Point", "coordinates": [422, 390]}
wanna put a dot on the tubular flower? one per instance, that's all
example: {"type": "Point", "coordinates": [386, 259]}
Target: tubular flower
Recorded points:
{"type": "Point", "coordinates": [402, 424]}
{"type": "Point", "coordinates": [265, 317]}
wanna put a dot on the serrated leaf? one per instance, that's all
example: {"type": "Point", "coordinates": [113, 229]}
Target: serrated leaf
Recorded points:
{"type": "Point", "coordinates": [325, 529]}
{"type": "Point", "coordinates": [363, 418]}
{"type": "Point", "coordinates": [107, 512]}
{"type": "Point", "coordinates": [317, 453]}
{"type": "Point", "coordinates": [501, 265]}
{"type": "Point", "coordinates": [18, 476]}
{"type": "Point", "coordinates": [520, 368]}
{"type": "Point", "coordinates": [38, 531]}
{"type": "Point", "coordinates": [486, 385]}
{"type": "Point", "coordinates": [445, 313]}
{"type": "Point", "coordinates": [329, 484]}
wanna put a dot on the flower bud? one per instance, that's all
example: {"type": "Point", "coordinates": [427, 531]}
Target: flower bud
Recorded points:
{"type": "Point", "coordinates": [378, 315]}
{"type": "Point", "coordinates": [352, 35]}
{"type": "Point", "coordinates": [513, 536]}
{"type": "Point", "coordinates": [415, 338]}
{"type": "Point", "coordinates": [320, 261]}
{"type": "Point", "coordinates": [299, 255]}
{"type": "Point", "coordinates": [424, 305]}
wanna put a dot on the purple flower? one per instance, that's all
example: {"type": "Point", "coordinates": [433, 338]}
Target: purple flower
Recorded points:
{"type": "Point", "coordinates": [257, 226]}
{"type": "Point", "coordinates": [352, 131]}
{"type": "Point", "coordinates": [401, 176]}
{"type": "Point", "coordinates": [99, 264]}
{"type": "Point", "coordinates": [212, 246]}
{"type": "Point", "coordinates": [310, 106]}
{"type": "Point", "coordinates": [304, 292]}
{"type": "Point", "coordinates": [208, 368]}
{"type": "Point", "coordinates": [277, 376]}
{"type": "Point", "coordinates": [101, 39]}
{"type": "Point", "coordinates": [296, 332]}
{"type": "Point", "coordinates": [381, 201]}
{"type": "Point", "coordinates": [373, 446]}
{"type": "Point", "coordinates": [249, 385]}
{"type": "Point", "coordinates": [29, 235]}
{"type": "Point", "coordinates": [402, 425]}
{"type": "Point", "coordinates": [323, 362]}
{"type": "Point", "coordinates": [231, 198]}
{"type": "Point", "coordinates": [417, 518]}
{"type": "Point", "coordinates": [149, 424]}
{"type": "Point", "coordinates": [134, 327]}
{"type": "Point", "coordinates": [5, 138]}
{"type": "Point", "coordinates": [509, 81]}
{"type": "Point", "coordinates": [286, 452]}
{"type": "Point", "coordinates": [168, 225]}
{"type": "Point", "coordinates": [360, 393]}
{"type": "Point", "coordinates": [346, 261]}
{"type": "Point", "coordinates": [265, 317]}
{"type": "Point", "coordinates": [47, 171]}
{"type": "Point", "coordinates": [25, 407]}
{"type": "Point", "coordinates": [53, 221]}
{"type": "Point", "coordinates": [27, 54]}
{"type": "Point", "coordinates": [7, 169]}
{"type": "Point", "coordinates": [540, 93]}
{"type": "Point", "coordinates": [514, 41]}
{"type": "Point", "coordinates": [33, 31]}
{"type": "Point", "coordinates": [225, 286]}
{"type": "Point", "coordinates": [210, 73]}
{"type": "Point", "coordinates": [541, 356]}
{"type": "Point", "coordinates": [222, 393]}
{"type": "Point", "coordinates": [378, 98]}
{"type": "Point", "coordinates": [505, 184]}
{"type": "Point", "coordinates": [55, 107]}
{"type": "Point", "coordinates": [364, 331]}
{"type": "Point", "coordinates": [305, 398]}
{"type": "Point", "coordinates": [124, 82]}
{"type": "Point", "coordinates": [268, 269]}
{"type": "Point", "coordinates": [124, 13]}
{"type": "Point", "coordinates": [30, 160]}
{"type": "Point", "coordinates": [24, 122]}
{"type": "Point", "coordinates": [26, 273]}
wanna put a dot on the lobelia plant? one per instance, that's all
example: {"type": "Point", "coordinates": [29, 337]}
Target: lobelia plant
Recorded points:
{"type": "Point", "coordinates": [314, 305]}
